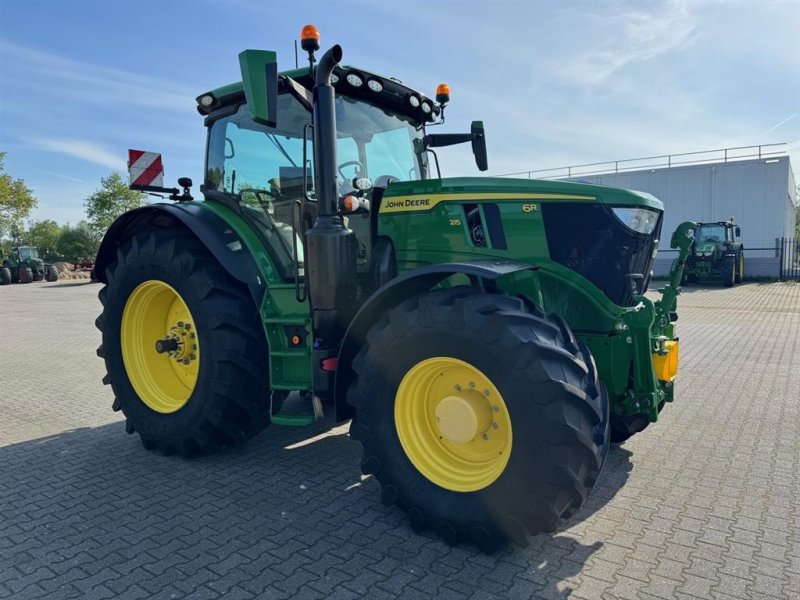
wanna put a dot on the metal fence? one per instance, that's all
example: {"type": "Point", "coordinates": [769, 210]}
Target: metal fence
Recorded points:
{"type": "Point", "coordinates": [665, 161]}
{"type": "Point", "coordinates": [790, 259]}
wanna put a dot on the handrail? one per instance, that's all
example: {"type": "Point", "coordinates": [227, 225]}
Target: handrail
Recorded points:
{"type": "Point", "coordinates": [669, 158]}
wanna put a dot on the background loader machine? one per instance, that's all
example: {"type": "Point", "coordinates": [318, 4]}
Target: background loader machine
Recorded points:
{"type": "Point", "coordinates": [488, 337]}
{"type": "Point", "coordinates": [716, 254]}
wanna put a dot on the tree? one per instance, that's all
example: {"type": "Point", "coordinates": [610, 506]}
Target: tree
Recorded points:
{"type": "Point", "coordinates": [44, 235]}
{"type": "Point", "coordinates": [110, 201]}
{"type": "Point", "coordinates": [16, 202]}
{"type": "Point", "coordinates": [78, 242]}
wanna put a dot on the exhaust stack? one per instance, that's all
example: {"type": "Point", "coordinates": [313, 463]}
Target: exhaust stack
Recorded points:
{"type": "Point", "coordinates": [331, 255]}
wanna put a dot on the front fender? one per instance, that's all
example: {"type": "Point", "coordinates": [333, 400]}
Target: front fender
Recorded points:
{"type": "Point", "coordinates": [212, 231]}
{"type": "Point", "coordinates": [393, 293]}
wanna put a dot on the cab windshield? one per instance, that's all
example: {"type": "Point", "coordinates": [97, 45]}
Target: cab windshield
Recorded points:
{"type": "Point", "coordinates": [710, 233]}
{"type": "Point", "coordinates": [27, 252]}
{"type": "Point", "coordinates": [244, 155]}
{"type": "Point", "coordinates": [261, 168]}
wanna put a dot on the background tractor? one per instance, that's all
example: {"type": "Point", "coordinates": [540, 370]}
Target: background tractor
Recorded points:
{"type": "Point", "coordinates": [489, 338]}
{"type": "Point", "coordinates": [24, 265]}
{"type": "Point", "coordinates": [716, 254]}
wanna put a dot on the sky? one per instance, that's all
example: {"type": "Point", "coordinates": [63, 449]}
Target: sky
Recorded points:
{"type": "Point", "coordinates": [556, 83]}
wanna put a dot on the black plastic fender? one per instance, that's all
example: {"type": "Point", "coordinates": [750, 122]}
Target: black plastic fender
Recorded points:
{"type": "Point", "coordinates": [212, 231]}
{"type": "Point", "coordinates": [391, 294]}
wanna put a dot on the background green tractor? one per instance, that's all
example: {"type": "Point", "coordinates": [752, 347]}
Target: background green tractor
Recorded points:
{"type": "Point", "coordinates": [716, 254]}
{"type": "Point", "coordinates": [24, 266]}
{"type": "Point", "coordinates": [489, 338]}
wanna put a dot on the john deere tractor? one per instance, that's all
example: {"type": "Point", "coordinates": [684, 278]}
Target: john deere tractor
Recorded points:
{"type": "Point", "coordinates": [489, 338]}
{"type": "Point", "coordinates": [24, 266]}
{"type": "Point", "coordinates": [716, 254]}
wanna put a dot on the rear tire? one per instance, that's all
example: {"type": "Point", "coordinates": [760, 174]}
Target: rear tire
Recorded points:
{"type": "Point", "coordinates": [24, 275]}
{"type": "Point", "coordinates": [549, 391]}
{"type": "Point", "coordinates": [5, 275]}
{"type": "Point", "coordinates": [230, 399]}
{"type": "Point", "coordinates": [728, 270]}
{"type": "Point", "coordinates": [51, 273]}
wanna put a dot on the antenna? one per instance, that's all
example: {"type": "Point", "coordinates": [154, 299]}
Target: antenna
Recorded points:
{"type": "Point", "coordinates": [296, 64]}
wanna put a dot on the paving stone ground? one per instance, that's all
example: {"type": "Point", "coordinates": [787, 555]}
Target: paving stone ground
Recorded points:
{"type": "Point", "coordinates": [704, 504]}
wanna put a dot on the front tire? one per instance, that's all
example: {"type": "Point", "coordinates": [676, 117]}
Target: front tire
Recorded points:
{"type": "Point", "coordinates": [211, 392]}
{"type": "Point", "coordinates": [24, 275]}
{"type": "Point", "coordinates": [728, 270]}
{"type": "Point", "coordinates": [5, 275]}
{"type": "Point", "coordinates": [525, 454]}
{"type": "Point", "coordinates": [739, 268]}
{"type": "Point", "coordinates": [51, 273]}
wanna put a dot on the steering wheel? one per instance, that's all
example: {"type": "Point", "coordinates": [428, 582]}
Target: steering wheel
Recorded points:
{"type": "Point", "coordinates": [257, 193]}
{"type": "Point", "coordinates": [349, 163]}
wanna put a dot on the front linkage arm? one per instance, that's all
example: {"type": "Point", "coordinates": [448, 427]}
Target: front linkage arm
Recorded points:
{"type": "Point", "coordinates": [650, 326]}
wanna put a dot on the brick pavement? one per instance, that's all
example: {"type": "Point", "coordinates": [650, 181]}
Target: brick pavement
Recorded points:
{"type": "Point", "coordinates": [701, 505]}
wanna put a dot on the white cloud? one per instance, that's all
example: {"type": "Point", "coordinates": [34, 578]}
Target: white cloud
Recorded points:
{"type": "Point", "coordinates": [84, 150]}
{"type": "Point", "coordinates": [631, 36]}
{"type": "Point", "coordinates": [47, 72]}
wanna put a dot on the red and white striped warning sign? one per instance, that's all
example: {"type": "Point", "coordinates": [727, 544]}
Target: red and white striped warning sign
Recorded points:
{"type": "Point", "coordinates": [145, 168]}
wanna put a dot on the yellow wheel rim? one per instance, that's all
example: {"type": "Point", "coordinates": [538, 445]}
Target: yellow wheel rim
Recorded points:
{"type": "Point", "coordinates": [164, 380]}
{"type": "Point", "coordinates": [453, 424]}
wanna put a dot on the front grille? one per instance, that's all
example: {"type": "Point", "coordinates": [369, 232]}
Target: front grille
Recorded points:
{"type": "Point", "coordinates": [591, 241]}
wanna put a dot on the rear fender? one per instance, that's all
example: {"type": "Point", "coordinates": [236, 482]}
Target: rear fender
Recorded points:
{"type": "Point", "coordinates": [212, 231]}
{"type": "Point", "coordinates": [391, 294]}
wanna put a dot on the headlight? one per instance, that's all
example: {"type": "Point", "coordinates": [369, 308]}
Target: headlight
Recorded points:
{"type": "Point", "coordinates": [641, 220]}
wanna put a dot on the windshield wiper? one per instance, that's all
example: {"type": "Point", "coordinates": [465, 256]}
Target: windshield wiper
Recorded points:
{"type": "Point", "coordinates": [272, 138]}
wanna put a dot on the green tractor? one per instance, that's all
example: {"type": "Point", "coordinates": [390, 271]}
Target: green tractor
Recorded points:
{"type": "Point", "coordinates": [716, 254]}
{"type": "Point", "coordinates": [489, 338]}
{"type": "Point", "coordinates": [24, 266]}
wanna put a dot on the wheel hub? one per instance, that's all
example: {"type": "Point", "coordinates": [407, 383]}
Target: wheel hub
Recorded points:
{"type": "Point", "coordinates": [180, 343]}
{"type": "Point", "coordinates": [462, 418]}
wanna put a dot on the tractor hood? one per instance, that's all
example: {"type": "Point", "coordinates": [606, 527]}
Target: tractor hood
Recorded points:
{"type": "Point", "coordinates": [499, 187]}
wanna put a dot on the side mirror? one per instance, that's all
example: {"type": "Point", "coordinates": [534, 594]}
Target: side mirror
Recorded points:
{"type": "Point", "coordinates": [476, 136]}
{"type": "Point", "coordinates": [738, 231]}
{"type": "Point", "coordinates": [479, 145]}
{"type": "Point", "coordinates": [260, 82]}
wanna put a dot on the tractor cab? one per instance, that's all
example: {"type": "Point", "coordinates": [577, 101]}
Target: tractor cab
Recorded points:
{"type": "Point", "coordinates": [265, 170]}
{"type": "Point", "coordinates": [711, 234]}
{"type": "Point", "coordinates": [25, 253]}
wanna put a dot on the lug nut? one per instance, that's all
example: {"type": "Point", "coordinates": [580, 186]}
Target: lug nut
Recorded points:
{"type": "Point", "coordinates": [471, 384]}
{"type": "Point", "coordinates": [457, 387]}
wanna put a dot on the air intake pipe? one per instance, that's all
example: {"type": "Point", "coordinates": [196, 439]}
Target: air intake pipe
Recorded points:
{"type": "Point", "coordinates": [331, 247]}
